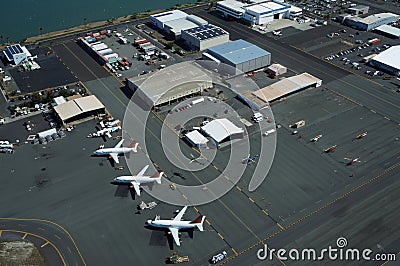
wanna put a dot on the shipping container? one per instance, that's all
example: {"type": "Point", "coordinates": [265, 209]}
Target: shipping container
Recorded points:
{"type": "Point", "coordinates": [91, 40]}
{"type": "Point", "coordinates": [125, 58]}
{"type": "Point", "coordinates": [100, 46]}
{"type": "Point", "coordinates": [113, 55]}
{"type": "Point", "coordinates": [105, 51]}
{"type": "Point", "coordinates": [97, 34]}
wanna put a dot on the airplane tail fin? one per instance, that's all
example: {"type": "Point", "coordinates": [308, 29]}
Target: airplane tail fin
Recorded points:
{"type": "Point", "coordinates": [199, 222]}
{"type": "Point", "coordinates": [134, 146]}
{"type": "Point", "coordinates": [157, 177]}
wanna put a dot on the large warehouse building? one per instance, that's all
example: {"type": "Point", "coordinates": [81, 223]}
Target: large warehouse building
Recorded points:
{"type": "Point", "coordinates": [260, 98]}
{"type": "Point", "coordinates": [79, 108]}
{"type": "Point", "coordinates": [242, 55]}
{"type": "Point", "coordinates": [170, 84]}
{"type": "Point", "coordinates": [176, 21]}
{"type": "Point", "coordinates": [370, 22]}
{"type": "Point", "coordinates": [388, 61]}
{"type": "Point", "coordinates": [260, 12]}
{"type": "Point", "coordinates": [221, 130]}
{"type": "Point", "coordinates": [204, 37]}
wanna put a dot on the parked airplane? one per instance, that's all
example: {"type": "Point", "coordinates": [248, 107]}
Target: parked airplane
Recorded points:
{"type": "Point", "coordinates": [352, 161]}
{"type": "Point", "coordinates": [330, 149]}
{"type": "Point", "coordinates": [362, 135]}
{"type": "Point", "coordinates": [176, 224]}
{"type": "Point", "coordinates": [114, 152]}
{"type": "Point", "coordinates": [104, 132]}
{"type": "Point", "coordinates": [316, 138]}
{"type": "Point", "coordinates": [136, 180]}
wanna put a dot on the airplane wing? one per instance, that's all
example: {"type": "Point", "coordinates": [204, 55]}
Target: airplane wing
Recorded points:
{"type": "Point", "coordinates": [108, 134]}
{"type": "Point", "coordinates": [115, 157]}
{"type": "Point", "coordinates": [178, 217]}
{"type": "Point", "coordinates": [175, 235]}
{"type": "Point", "coordinates": [136, 186]}
{"type": "Point", "coordinates": [119, 144]}
{"type": "Point", "coordinates": [141, 173]}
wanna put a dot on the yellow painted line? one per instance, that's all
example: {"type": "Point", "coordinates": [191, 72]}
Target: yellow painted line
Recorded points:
{"type": "Point", "coordinates": [40, 228]}
{"type": "Point", "coordinates": [238, 188]}
{"type": "Point", "coordinates": [156, 165]}
{"type": "Point", "coordinates": [69, 250]}
{"type": "Point", "coordinates": [280, 226]}
{"type": "Point", "coordinates": [45, 244]}
{"type": "Point", "coordinates": [220, 236]}
{"type": "Point", "coordinates": [57, 236]}
{"type": "Point", "coordinates": [372, 110]}
{"type": "Point", "coordinates": [265, 212]}
{"type": "Point", "coordinates": [216, 168]}
{"type": "Point", "coordinates": [207, 221]}
{"type": "Point", "coordinates": [183, 195]}
{"type": "Point", "coordinates": [227, 178]}
{"type": "Point", "coordinates": [25, 235]}
{"type": "Point", "coordinates": [387, 118]}
{"type": "Point", "coordinates": [234, 251]}
{"type": "Point", "coordinates": [1, 231]}
{"type": "Point", "coordinates": [252, 201]}
{"type": "Point", "coordinates": [197, 210]}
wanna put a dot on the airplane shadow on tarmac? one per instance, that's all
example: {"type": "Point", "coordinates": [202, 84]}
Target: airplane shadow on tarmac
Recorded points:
{"type": "Point", "coordinates": [158, 236]}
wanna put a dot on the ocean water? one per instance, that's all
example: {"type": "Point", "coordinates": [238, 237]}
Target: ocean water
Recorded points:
{"type": "Point", "coordinates": [20, 19]}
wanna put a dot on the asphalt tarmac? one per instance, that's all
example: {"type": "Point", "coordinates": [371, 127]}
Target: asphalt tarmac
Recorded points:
{"type": "Point", "coordinates": [308, 196]}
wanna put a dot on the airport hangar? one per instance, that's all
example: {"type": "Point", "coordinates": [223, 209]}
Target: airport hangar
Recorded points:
{"type": "Point", "coordinates": [79, 108]}
{"type": "Point", "coordinates": [259, 99]}
{"type": "Point", "coordinates": [259, 12]}
{"type": "Point", "coordinates": [370, 22]}
{"type": "Point", "coordinates": [175, 21]}
{"type": "Point", "coordinates": [204, 37]}
{"type": "Point", "coordinates": [240, 54]}
{"type": "Point", "coordinates": [170, 84]}
{"type": "Point", "coordinates": [388, 60]}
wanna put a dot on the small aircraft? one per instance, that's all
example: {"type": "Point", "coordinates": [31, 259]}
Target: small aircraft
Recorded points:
{"type": "Point", "coordinates": [136, 180]}
{"type": "Point", "coordinates": [176, 224]}
{"type": "Point", "coordinates": [104, 132]}
{"type": "Point", "coordinates": [352, 161]}
{"type": "Point", "coordinates": [194, 159]}
{"type": "Point", "coordinates": [114, 152]}
{"type": "Point", "coordinates": [250, 159]}
{"type": "Point", "coordinates": [362, 135]}
{"type": "Point", "coordinates": [277, 32]}
{"type": "Point", "coordinates": [330, 149]}
{"type": "Point", "coordinates": [316, 138]}
{"type": "Point", "coordinates": [110, 123]}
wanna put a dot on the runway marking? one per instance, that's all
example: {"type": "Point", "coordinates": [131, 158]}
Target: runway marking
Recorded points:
{"type": "Point", "coordinates": [234, 251]}
{"type": "Point", "coordinates": [69, 250]}
{"type": "Point", "coordinates": [25, 235]}
{"type": "Point", "coordinates": [57, 236]}
{"type": "Point", "coordinates": [208, 222]}
{"type": "Point", "coordinates": [55, 224]}
{"type": "Point", "coordinates": [1, 232]}
{"type": "Point", "coordinates": [22, 224]}
{"type": "Point", "coordinates": [265, 212]}
{"type": "Point", "coordinates": [387, 118]}
{"type": "Point", "coordinates": [343, 196]}
{"type": "Point", "coordinates": [194, 207]}
{"type": "Point", "coordinates": [252, 201]}
{"type": "Point", "coordinates": [238, 188]}
{"type": "Point", "coordinates": [40, 228]}
{"type": "Point", "coordinates": [45, 244]}
{"type": "Point", "coordinates": [216, 168]}
{"type": "Point", "coordinates": [220, 236]}
{"type": "Point", "coordinates": [372, 110]}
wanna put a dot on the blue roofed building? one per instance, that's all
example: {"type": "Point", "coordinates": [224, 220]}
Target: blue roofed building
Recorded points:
{"type": "Point", "coordinates": [16, 54]}
{"type": "Point", "coordinates": [242, 55]}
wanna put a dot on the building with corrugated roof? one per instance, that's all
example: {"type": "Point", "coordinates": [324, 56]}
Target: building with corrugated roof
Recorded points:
{"type": "Point", "coordinates": [242, 55]}
{"type": "Point", "coordinates": [204, 37]}
{"type": "Point", "coordinates": [388, 31]}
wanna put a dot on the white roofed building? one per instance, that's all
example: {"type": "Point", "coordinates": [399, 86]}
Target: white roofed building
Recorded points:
{"type": "Point", "coordinates": [388, 60]}
{"type": "Point", "coordinates": [196, 139]}
{"type": "Point", "coordinates": [17, 54]}
{"type": "Point", "coordinates": [221, 130]}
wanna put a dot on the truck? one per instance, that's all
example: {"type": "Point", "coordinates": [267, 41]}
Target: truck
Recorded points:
{"type": "Point", "coordinates": [298, 124]}
{"type": "Point", "coordinates": [374, 41]}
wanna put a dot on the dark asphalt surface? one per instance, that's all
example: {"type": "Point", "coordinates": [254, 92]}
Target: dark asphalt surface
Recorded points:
{"type": "Point", "coordinates": [301, 183]}
{"type": "Point", "coordinates": [60, 248]}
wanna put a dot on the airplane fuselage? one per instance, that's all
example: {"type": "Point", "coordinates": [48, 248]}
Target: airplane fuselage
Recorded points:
{"type": "Point", "coordinates": [113, 150]}
{"type": "Point", "coordinates": [129, 179]}
{"type": "Point", "coordinates": [171, 224]}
